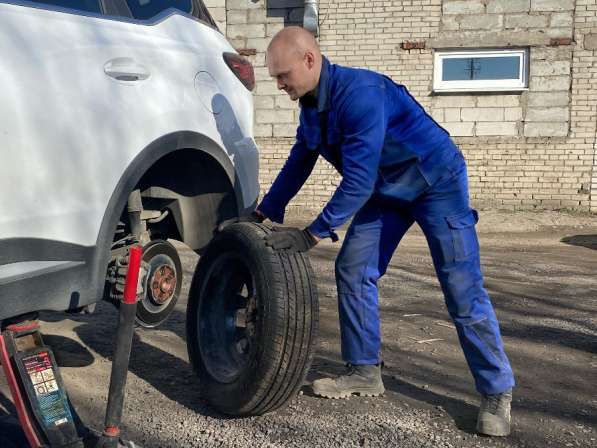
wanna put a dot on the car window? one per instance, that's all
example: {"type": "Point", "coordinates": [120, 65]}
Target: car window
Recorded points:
{"type": "Point", "coordinates": [81, 5]}
{"type": "Point", "coordinates": [200, 11]}
{"type": "Point", "coordinates": [146, 9]}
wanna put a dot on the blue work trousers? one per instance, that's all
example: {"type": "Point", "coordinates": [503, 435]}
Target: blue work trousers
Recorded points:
{"type": "Point", "coordinates": [443, 213]}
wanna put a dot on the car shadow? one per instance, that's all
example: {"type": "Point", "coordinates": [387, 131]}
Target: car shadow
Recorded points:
{"type": "Point", "coordinates": [68, 352]}
{"type": "Point", "coordinates": [588, 241]}
{"type": "Point", "coordinates": [154, 366]}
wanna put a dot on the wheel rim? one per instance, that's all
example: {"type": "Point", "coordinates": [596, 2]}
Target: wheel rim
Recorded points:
{"type": "Point", "coordinates": [227, 318]}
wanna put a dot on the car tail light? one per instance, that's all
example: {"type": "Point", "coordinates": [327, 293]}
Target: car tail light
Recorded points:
{"type": "Point", "coordinates": [241, 68]}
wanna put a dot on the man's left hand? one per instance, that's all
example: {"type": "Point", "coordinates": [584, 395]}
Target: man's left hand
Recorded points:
{"type": "Point", "coordinates": [291, 239]}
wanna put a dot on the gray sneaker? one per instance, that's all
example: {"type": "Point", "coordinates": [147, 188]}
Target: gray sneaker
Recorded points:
{"type": "Point", "coordinates": [363, 380]}
{"type": "Point", "coordinates": [494, 414]}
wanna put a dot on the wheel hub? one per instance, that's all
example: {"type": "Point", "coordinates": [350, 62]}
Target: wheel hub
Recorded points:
{"type": "Point", "coordinates": [162, 284]}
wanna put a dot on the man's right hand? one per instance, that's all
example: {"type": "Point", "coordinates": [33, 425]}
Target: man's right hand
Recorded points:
{"type": "Point", "coordinates": [255, 216]}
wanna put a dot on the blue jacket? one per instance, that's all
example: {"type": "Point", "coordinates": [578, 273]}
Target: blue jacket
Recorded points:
{"type": "Point", "coordinates": [376, 135]}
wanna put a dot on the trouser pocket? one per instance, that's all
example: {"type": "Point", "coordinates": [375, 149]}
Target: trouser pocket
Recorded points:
{"type": "Point", "coordinates": [464, 236]}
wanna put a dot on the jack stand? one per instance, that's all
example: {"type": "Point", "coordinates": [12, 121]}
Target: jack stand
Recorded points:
{"type": "Point", "coordinates": [122, 352]}
{"type": "Point", "coordinates": [44, 410]}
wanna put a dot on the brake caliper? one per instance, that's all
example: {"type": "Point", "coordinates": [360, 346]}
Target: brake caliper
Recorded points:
{"type": "Point", "coordinates": [116, 277]}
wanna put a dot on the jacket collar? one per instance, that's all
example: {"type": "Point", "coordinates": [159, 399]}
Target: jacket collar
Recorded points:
{"type": "Point", "coordinates": [323, 91]}
{"type": "Point", "coordinates": [323, 94]}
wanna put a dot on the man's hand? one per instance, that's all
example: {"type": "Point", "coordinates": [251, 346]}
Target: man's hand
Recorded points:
{"type": "Point", "coordinates": [255, 216]}
{"type": "Point", "coordinates": [291, 239]}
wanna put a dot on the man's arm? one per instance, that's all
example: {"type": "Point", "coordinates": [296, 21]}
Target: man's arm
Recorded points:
{"type": "Point", "coordinates": [363, 124]}
{"type": "Point", "coordinates": [289, 181]}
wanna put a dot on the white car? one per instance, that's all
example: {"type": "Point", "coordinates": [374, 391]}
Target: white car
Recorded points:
{"type": "Point", "coordinates": [121, 122]}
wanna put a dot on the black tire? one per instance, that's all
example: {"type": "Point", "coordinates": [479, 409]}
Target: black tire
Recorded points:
{"type": "Point", "coordinates": [258, 367]}
{"type": "Point", "coordinates": [152, 310]}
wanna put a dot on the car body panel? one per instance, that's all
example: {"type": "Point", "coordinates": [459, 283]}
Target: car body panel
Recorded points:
{"type": "Point", "coordinates": [70, 130]}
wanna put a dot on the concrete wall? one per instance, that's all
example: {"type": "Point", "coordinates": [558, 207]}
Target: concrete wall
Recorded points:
{"type": "Point", "coordinates": [534, 149]}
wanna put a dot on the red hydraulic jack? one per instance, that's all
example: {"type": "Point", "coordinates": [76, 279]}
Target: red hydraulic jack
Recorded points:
{"type": "Point", "coordinates": [44, 410]}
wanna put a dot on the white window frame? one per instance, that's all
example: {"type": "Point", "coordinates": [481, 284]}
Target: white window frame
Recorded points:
{"type": "Point", "coordinates": [481, 85]}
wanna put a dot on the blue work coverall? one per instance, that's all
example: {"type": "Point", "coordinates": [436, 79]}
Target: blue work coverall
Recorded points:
{"type": "Point", "coordinates": [398, 167]}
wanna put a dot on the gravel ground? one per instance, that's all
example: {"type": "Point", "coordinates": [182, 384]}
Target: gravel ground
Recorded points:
{"type": "Point", "coordinates": [540, 271]}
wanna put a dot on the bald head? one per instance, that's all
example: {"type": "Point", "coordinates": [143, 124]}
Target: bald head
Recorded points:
{"type": "Point", "coordinates": [294, 60]}
{"type": "Point", "coordinates": [294, 39]}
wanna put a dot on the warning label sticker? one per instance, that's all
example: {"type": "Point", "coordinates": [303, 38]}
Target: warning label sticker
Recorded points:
{"type": "Point", "coordinates": [51, 400]}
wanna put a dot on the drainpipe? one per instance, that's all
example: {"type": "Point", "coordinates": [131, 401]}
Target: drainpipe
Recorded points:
{"type": "Point", "coordinates": [311, 17]}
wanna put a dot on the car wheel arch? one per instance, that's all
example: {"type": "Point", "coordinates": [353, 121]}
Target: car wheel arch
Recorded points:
{"type": "Point", "coordinates": [135, 172]}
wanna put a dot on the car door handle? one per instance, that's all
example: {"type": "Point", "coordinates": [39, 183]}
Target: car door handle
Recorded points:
{"type": "Point", "coordinates": [126, 69]}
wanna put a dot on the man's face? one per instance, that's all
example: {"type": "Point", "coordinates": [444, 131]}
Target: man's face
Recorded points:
{"type": "Point", "coordinates": [292, 71]}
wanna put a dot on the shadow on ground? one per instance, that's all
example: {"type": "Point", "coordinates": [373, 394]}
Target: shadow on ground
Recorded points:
{"type": "Point", "coordinates": [588, 241]}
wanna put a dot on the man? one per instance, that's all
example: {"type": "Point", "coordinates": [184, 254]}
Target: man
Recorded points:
{"type": "Point", "coordinates": [398, 167]}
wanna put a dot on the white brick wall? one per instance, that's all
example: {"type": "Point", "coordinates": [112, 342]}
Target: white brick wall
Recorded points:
{"type": "Point", "coordinates": [534, 149]}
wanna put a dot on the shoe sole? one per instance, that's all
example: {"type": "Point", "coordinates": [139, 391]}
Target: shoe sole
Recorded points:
{"type": "Point", "coordinates": [493, 430]}
{"type": "Point", "coordinates": [349, 394]}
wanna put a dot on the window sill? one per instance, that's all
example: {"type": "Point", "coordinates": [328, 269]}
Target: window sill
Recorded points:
{"type": "Point", "coordinates": [480, 90]}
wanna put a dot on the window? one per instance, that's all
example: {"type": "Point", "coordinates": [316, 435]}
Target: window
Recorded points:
{"type": "Point", "coordinates": [146, 9]}
{"type": "Point", "coordinates": [79, 5]}
{"type": "Point", "coordinates": [492, 70]}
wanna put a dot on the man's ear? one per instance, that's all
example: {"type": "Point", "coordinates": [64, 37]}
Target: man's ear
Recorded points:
{"type": "Point", "coordinates": [309, 60]}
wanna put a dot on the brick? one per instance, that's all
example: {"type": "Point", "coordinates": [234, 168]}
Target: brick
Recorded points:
{"type": "Point", "coordinates": [256, 15]}
{"type": "Point", "coordinates": [550, 68]}
{"type": "Point", "coordinates": [284, 130]}
{"type": "Point", "coordinates": [561, 19]}
{"type": "Point", "coordinates": [215, 4]}
{"type": "Point", "coordinates": [284, 102]}
{"type": "Point", "coordinates": [482, 114]}
{"type": "Point", "coordinates": [551, 114]}
{"type": "Point", "coordinates": [272, 29]}
{"type": "Point", "coordinates": [559, 37]}
{"type": "Point", "coordinates": [508, 6]}
{"type": "Point", "coordinates": [459, 129]}
{"type": "Point", "coordinates": [263, 102]}
{"type": "Point", "coordinates": [552, 5]}
{"type": "Point", "coordinates": [498, 100]}
{"type": "Point", "coordinates": [246, 31]}
{"type": "Point", "coordinates": [525, 21]}
{"type": "Point", "coordinates": [274, 116]}
{"type": "Point", "coordinates": [454, 101]}
{"type": "Point", "coordinates": [590, 41]}
{"type": "Point", "coordinates": [218, 14]}
{"type": "Point", "coordinates": [541, 99]}
{"type": "Point", "coordinates": [258, 43]}
{"type": "Point", "coordinates": [513, 114]}
{"type": "Point", "coordinates": [551, 54]}
{"type": "Point", "coordinates": [452, 115]}
{"type": "Point", "coordinates": [450, 23]}
{"type": "Point", "coordinates": [463, 7]}
{"type": "Point", "coordinates": [262, 130]}
{"type": "Point", "coordinates": [262, 74]}
{"type": "Point", "coordinates": [236, 16]}
{"type": "Point", "coordinates": [546, 129]}
{"type": "Point", "coordinates": [245, 4]}
{"type": "Point", "coordinates": [438, 114]}
{"type": "Point", "coordinates": [542, 84]}
{"type": "Point", "coordinates": [266, 88]}
{"type": "Point", "coordinates": [481, 22]}
{"type": "Point", "coordinates": [496, 128]}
